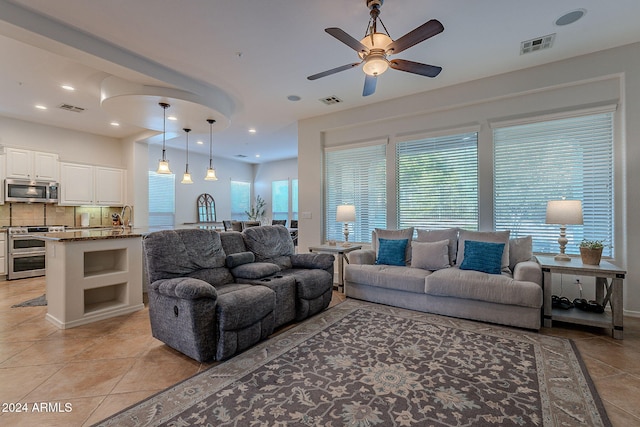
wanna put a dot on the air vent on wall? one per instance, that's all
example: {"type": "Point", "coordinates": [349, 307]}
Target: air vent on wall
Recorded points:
{"type": "Point", "coordinates": [330, 100]}
{"type": "Point", "coordinates": [73, 108]}
{"type": "Point", "coordinates": [539, 43]}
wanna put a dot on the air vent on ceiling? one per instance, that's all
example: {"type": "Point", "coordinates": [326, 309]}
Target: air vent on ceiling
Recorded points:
{"type": "Point", "coordinates": [330, 100]}
{"type": "Point", "coordinates": [73, 108]}
{"type": "Point", "coordinates": [539, 43]}
{"type": "Point", "coordinates": [240, 156]}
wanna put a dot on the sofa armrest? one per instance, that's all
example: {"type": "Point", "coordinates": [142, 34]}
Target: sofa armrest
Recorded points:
{"type": "Point", "coordinates": [312, 260]}
{"type": "Point", "coordinates": [362, 256]}
{"type": "Point", "coordinates": [528, 271]}
{"type": "Point", "coordinates": [184, 288]}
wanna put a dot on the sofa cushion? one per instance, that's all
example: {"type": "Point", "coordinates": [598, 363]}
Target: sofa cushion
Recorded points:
{"type": "Point", "coordinates": [485, 236]}
{"type": "Point", "coordinates": [239, 258]}
{"type": "Point", "coordinates": [520, 250]}
{"type": "Point", "coordinates": [405, 233]}
{"type": "Point", "coordinates": [482, 256]}
{"type": "Point", "coordinates": [475, 285]}
{"type": "Point", "coordinates": [450, 234]}
{"type": "Point", "coordinates": [270, 243]}
{"type": "Point", "coordinates": [387, 276]}
{"type": "Point", "coordinates": [430, 255]}
{"type": "Point", "coordinates": [391, 252]}
{"type": "Point", "coordinates": [254, 270]}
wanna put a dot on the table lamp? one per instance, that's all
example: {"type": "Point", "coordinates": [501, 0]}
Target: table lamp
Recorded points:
{"type": "Point", "coordinates": [564, 212]}
{"type": "Point", "coordinates": [346, 214]}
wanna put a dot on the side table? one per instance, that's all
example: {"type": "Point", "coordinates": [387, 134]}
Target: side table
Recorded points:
{"type": "Point", "coordinates": [609, 282]}
{"type": "Point", "coordinates": [341, 252]}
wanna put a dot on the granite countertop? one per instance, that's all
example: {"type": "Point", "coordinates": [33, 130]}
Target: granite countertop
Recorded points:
{"type": "Point", "coordinates": [94, 234]}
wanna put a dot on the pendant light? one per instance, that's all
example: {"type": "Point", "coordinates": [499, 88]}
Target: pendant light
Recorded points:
{"type": "Point", "coordinates": [211, 172]}
{"type": "Point", "coordinates": [163, 164]}
{"type": "Point", "coordinates": [186, 178]}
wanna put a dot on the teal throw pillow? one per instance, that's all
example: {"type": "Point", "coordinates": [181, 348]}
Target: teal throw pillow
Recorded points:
{"type": "Point", "coordinates": [482, 256]}
{"type": "Point", "coordinates": [391, 252]}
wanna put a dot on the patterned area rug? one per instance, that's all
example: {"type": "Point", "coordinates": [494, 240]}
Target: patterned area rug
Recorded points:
{"type": "Point", "coordinates": [34, 302]}
{"type": "Point", "coordinates": [360, 364]}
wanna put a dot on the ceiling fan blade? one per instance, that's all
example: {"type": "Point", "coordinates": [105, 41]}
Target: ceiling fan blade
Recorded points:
{"type": "Point", "coordinates": [333, 71]}
{"type": "Point", "coordinates": [412, 38]}
{"type": "Point", "coordinates": [369, 85]}
{"type": "Point", "coordinates": [415, 67]}
{"type": "Point", "coordinates": [347, 39]}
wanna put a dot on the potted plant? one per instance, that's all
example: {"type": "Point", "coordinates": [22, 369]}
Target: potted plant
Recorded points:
{"type": "Point", "coordinates": [257, 210]}
{"type": "Point", "coordinates": [591, 251]}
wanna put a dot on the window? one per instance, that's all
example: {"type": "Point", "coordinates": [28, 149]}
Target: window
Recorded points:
{"type": "Point", "coordinates": [280, 199]}
{"type": "Point", "coordinates": [437, 182]}
{"type": "Point", "coordinates": [294, 199]}
{"type": "Point", "coordinates": [240, 199]}
{"type": "Point", "coordinates": [356, 176]}
{"type": "Point", "coordinates": [568, 158]}
{"type": "Point", "coordinates": [161, 199]}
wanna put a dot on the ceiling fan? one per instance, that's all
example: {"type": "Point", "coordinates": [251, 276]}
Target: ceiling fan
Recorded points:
{"type": "Point", "coordinates": [374, 48]}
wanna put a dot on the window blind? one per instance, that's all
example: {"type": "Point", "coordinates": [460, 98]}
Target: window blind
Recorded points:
{"type": "Point", "coordinates": [568, 158]}
{"type": "Point", "coordinates": [437, 182]}
{"type": "Point", "coordinates": [356, 176]}
{"type": "Point", "coordinates": [280, 199]}
{"type": "Point", "coordinates": [240, 199]}
{"type": "Point", "coordinates": [161, 199]}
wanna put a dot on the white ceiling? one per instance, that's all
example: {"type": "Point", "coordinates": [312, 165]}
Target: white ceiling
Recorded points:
{"type": "Point", "coordinates": [248, 56]}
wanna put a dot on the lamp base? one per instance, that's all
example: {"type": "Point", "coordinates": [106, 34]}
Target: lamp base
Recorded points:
{"type": "Point", "coordinates": [562, 257]}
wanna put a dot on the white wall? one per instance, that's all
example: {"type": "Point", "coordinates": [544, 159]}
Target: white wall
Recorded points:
{"type": "Point", "coordinates": [72, 146]}
{"type": "Point", "coordinates": [273, 171]}
{"type": "Point", "coordinates": [611, 76]}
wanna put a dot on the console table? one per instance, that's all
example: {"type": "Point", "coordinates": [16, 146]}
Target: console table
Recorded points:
{"type": "Point", "coordinates": [341, 252]}
{"type": "Point", "coordinates": [609, 282]}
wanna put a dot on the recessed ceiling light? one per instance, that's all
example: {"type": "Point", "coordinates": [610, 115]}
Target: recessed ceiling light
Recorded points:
{"type": "Point", "coordinates": [114, 124]}
{"type": "Point", "coordinates": [68, 87]}
{"type": "Point", "coordinates": [257, 155]}
{"type": "Point", "coordinates": [570, 17]}
{"type": "Point", "coordinates": [174, 118]}
{"type": "Point", "coordinates": [252, 130]}
{"type": "Point", "coordinates": [41, 107]}
{"type": "Point", "coordinates": [199, 142]}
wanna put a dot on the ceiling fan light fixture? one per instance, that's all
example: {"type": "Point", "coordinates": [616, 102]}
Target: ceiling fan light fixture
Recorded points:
{"type": "Point", "coordinates": [375, 64]}
{"type": "Point", "coordinates": [376, 41]}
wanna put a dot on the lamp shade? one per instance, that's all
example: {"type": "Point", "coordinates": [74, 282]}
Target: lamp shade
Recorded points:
{"type": "Point", "coordinates": [564, 212]}
{"type": "Point", "coordinates": [346, 213]}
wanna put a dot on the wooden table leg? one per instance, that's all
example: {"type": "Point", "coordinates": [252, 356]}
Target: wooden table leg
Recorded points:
{"type": "Point", "coordinates": [616, 307]}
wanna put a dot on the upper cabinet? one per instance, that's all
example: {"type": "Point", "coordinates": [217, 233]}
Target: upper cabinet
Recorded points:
{"type": "Point", "coordinates": [31, 165]}
{"type": "Point", "coordinates": [91, 185]}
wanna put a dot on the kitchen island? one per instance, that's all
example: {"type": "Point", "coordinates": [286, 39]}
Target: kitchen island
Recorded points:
{"type": "Point", "coordinates": [93, 274]}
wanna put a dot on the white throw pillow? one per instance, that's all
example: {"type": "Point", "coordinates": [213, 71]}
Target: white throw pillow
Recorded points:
{"type": "Point", "coordinates": [430, 256]}
{"type": "Point", "coordinates": [438, 235]}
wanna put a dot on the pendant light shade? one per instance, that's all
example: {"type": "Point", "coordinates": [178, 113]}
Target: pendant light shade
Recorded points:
{"type": "Point", "coordinates": [186, 178]}
{"type": "Point", "coordinates": [211, 172]}
{"type": "Point", "coordinates": [163, 164]}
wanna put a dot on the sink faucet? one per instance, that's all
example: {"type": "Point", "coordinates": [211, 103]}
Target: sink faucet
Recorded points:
{"type": "Point", "coordinates": [127, 223]}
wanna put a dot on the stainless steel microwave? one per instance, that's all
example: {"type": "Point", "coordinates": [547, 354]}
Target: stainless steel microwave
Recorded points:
{"type": "Point", "coordinates": [23, 190]}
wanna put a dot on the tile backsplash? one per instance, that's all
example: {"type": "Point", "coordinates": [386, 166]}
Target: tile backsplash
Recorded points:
{"type": "Point", "coordinates": [17, 214]}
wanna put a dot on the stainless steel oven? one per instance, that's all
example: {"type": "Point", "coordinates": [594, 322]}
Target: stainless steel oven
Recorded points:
{"type": "Point", "coordinates": [27, 251]}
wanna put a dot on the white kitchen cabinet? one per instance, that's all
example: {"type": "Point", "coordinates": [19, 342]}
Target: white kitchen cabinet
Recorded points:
{"type": "Point", "coordinates": [32, 165]}
{"type": "Point", "coordinates": [91, 185]}
{"type": "Point", "coordinates": [76, 184]}
{"type": "Point", "coordinates": [109, 186]}
{"type": "Point", "coordinates": [3, 253]}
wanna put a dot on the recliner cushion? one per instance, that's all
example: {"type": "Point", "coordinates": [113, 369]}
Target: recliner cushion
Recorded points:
{"type": "Point", "coordinates": [270, 243]}
{"type": "Point", "coordinates": [255, 270]}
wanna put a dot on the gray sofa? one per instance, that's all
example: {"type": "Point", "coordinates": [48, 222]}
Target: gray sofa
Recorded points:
{"type": "Point", "coordinates": [214, 294]}
{"type": "Point", "coordinates": [435, 278]}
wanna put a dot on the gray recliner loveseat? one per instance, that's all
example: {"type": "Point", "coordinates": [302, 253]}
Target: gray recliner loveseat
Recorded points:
{"type": "Point", "coordinates": [214, 294]}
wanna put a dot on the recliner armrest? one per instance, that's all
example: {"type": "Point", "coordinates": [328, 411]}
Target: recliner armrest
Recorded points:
{"type": "Point", "coordinates": [362, 256]}
{"type": "Point", "coordinates": [312, 260]}
{"type": "Point", "coordinates": [184, 288]}
{"type": "Point", "coordinates": [528, 271]}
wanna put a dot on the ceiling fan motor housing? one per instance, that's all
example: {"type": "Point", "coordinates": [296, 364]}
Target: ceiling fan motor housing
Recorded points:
{"type": "Point", "coordinates": [374, 3]}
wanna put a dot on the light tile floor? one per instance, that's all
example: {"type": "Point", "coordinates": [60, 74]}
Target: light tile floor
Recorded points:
{"type": "Point", "coordinates": [99, 369]}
